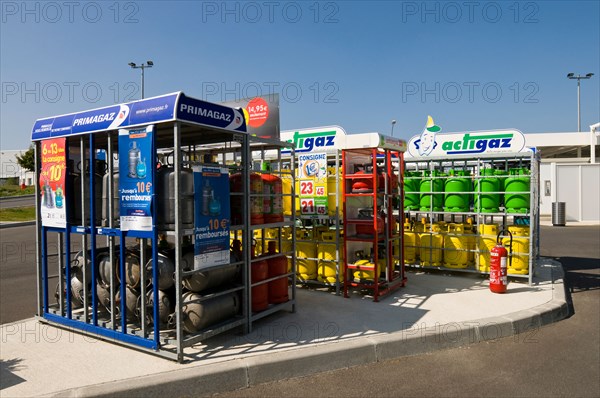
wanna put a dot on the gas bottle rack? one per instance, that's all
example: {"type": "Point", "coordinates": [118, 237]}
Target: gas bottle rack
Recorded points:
{"type": "Point", "coordinates": [372, 194]}
{"type": "Point", "coordinates": [316, 219]}
{"type": "Point", "coordinates": [475, 165]}
{"type": "Point", "coordinates": [261, 151]}
{"type": "Point", "coordinates": [70, 253]}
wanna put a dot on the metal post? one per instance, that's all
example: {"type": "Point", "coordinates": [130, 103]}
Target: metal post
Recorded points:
{"type": "Point", "coordinates": [92, 187]}
{"type": "Point", "coordinates": [67, 253]}
{"type": "Point", "coordinates": [293, 171]}
{"type": "Point", "coordinates": [142, 81]}
{"type": "Point", "coordinates": [61, 281]}
{"type": "Point", "coordinates": [38, 230]}
{"type": "Point", "coordinates": [247, 232]}
{"type": "Point", "coordinates": [578, 105]}
{"type": "Point", "coordinates": [338, 201]}
{"type": "Point", "coordinates": [83, 223]}
{"type": "Point", "coordinates": [155, 249]}
{"type": "Point", "coordinates": [143, 277]}
{"type": "Point", "coordinates": [111, 239]}
{"type": "Point", "coordinates": [178, 297]}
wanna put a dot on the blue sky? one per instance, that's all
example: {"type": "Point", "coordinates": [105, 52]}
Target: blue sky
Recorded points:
{"type": "Point", "coordinates": [471, 65]}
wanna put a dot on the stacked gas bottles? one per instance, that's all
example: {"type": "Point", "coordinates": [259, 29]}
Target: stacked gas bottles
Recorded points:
{"type": "Point", "coordinates": [518, 249]}
{"type": "Point", "coordinates": [458, 244]}
{"type": "Point", "coordinates": [306, 254]}
{"type": "Point", "coordinates": [438, 244]}
{"type": "Point", "coordinates": [198, 312]}
{"type": "Point", "coordinates": [455, 245]}
{"type": "Point", "coordinates": [266, 196]}
{"type": "Point", "coordinates": [107, 271]}
{"type": "Point", "coordinates": [458, 191]}
{"type": "Point", "coordinates": [164, 188]}
{"type": "Point", "coordinates": [318, 255]}
{"type": "Point", "coordinates": [272, 265]}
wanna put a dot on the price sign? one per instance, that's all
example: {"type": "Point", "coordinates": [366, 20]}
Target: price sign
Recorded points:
{"type": "Point", "coordinates": [307, 188]}
{"type": "Point", "coordinates": [258, 112]}
{"type": "Point", "coordinates": [52, 183]}
{"type": "Point", "coordinates": [307, 206]}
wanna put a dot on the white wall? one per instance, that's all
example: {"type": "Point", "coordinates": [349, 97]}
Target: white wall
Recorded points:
{"type": "Point", "coordinates": [10, 168]}
{"type": "Point", "coordinates": [576, 184]}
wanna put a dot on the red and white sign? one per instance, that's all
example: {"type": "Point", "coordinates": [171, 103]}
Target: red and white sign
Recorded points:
{"type": "Point", "coordinates": [52, 183]}
{"type": "Point", "coordinates": [258, 112]}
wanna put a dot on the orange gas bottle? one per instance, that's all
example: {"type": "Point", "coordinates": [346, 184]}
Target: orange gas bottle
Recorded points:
{"type": "Point", "coordinates": [256, 202]}
{"type": "Point", "coordinates": [273, 199]}
{"type": "Point", "coordinates": [278, 288]}
{"type": "Point", "coordinates": [260, 294]}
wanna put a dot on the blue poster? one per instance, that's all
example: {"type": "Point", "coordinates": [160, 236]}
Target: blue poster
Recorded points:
{"type": "Point", "coordinates": [136, 187]}
{"type": "Point", "coordinates": [212, 216]}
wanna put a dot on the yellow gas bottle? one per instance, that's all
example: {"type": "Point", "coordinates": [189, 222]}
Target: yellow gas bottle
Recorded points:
{"type": "Point", "coordinates": [455, 247]}
{"type": "Point", "coordinates": [258, 237]}
{"type": "Point", "coordinates": [306, 249]}
{"type": "Point", "coordinates": [410, 243]}
{"type": "Point", "coordinates": [334, 178]}
{"type": "Point", "coordinates": [471, 241]}
{"type": "Point", "coordinates": [318, 232]}
{"type": "Point", "coordinates": [487, 240]}
{"type": "Point", "coordinates": [286, 189]}
{"type": "Point", "coordinates": [233, 236]}
{"type": "Point", "coordinates": [430, 246]}
{"type": "Point", "coordinates": [366, 269]}
{"type": "Point", "coordinates": [286, 245]}
{"type": "Point", "coordinates": [519, 265]}
{"type": "Point", "coordinates": [326, 253]}
{"type": "Point", "coordinates": [443, 226]}
{"type": "Point", "coordinates": [271, 234]}
{"type": "Point", "coordinates": [419, 228]}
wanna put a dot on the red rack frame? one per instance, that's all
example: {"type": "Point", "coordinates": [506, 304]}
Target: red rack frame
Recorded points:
{"type": "Point", "coordinates": [384, 229]}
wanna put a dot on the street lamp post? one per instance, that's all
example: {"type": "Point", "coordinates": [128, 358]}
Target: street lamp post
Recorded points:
{"type": "Point", "coordinates": [393, 123]}
{"type": "Point", "coordinates": [148, 64]}
{"type": "Point", "coordinates": [579, 77]}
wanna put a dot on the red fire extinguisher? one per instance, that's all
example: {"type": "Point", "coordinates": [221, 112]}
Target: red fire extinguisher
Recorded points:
{"type": "Point", "coordinates": [499, 257]}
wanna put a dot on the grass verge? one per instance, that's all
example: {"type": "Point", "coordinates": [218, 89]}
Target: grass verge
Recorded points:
{"type": "Point", "coordinates": [18, 214]}
{"type": "Point", "coordinates": [15, 190]}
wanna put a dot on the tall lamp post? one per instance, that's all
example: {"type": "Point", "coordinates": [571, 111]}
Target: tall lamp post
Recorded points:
{"type": "Point", "coordinates": [579, 77]}
{"type": "Point", "coordinates": [393, 123]}
{"type": "Point", "coordinates": [148, 64]}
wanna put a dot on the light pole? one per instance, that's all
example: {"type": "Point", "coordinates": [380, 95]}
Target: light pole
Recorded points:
{"type": "Point", "coordinates": [393, 123]}
{"type": "Point", "coordinates": [148, 64]}
{"type": "Point", "coordinates": [579, 77]}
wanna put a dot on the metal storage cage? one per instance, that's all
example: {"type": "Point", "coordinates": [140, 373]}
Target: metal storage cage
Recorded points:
{"type": "Point", "coordinates": [148, 282]}
{"type": "Point", "coordinates": [372, 195]}
{"type": "Point", "coordinates": [318, 205]}
{"type": "Point", "coordinates": [455, 207]}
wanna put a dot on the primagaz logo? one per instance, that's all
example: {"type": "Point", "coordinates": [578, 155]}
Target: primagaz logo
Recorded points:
{"type": "Point", "coordinates": [306, 142]}
{"type": "Point", "coordinates": [477, 144]}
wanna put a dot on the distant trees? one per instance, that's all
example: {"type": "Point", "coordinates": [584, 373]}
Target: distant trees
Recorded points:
{"type": "Point", "coordinates": [27, 159]}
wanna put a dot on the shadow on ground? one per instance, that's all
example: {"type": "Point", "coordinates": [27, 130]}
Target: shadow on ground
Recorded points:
{"type": "Point", "coordinates": [7, 377]}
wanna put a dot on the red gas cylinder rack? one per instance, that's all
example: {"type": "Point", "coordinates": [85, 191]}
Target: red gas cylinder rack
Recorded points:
{"type": "Point", "coordinates": [378, 182]}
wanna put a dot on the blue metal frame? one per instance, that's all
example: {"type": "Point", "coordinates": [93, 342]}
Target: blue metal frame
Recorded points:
{"type": "Point", "coordinates": [93, 327]}
{"type": "Point", "coordinates": [101, 331]}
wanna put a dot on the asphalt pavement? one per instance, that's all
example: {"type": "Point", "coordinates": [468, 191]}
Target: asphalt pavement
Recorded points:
{"type": "Point", "coordinates": [434, 311]}
{"type": "Point", "coordinates": [17, 201]}
{"type": "Point", "coordinates": [561, 359]}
